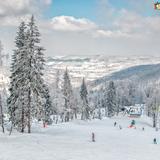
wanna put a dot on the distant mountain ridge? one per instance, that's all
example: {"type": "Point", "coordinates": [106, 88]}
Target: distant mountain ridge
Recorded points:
{"type": "Point", "coordinates": [94, 68]}
{"type": "Point", "coordinates": [140, 73]}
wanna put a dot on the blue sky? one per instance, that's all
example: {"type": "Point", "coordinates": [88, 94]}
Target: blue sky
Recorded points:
{"type": "Point", "coordinates": [90, 9]}
{"type": "Point", "coordinates": [77, 8]}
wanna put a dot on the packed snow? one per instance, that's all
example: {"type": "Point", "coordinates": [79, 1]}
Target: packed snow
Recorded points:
{"type": "Point", "coordinates": [72, 141]}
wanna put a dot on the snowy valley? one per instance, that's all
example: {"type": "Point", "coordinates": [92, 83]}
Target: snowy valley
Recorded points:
{"type": "Point", "coordinates": [93, 68]}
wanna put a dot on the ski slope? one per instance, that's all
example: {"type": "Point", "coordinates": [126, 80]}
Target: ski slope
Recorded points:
{"type": "Point", "coordinates": [72, 141]}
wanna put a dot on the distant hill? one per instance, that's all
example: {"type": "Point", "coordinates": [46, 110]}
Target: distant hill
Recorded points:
{"type": "Point", "coordinates": [140, 73]}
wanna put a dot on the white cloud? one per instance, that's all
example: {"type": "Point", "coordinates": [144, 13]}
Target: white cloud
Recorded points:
{"type": "Point", "coordinates": [110, 34]}
{"type": "Point", "coordinates": [104, 33]}
{"type": "Point", "coordinates": [69, 23]}
{"type": "Point", "coordinates": [133, 24]}
{"type": "Point", "coordinates": [16, 7]}
{"type": "Point", "coordinates": [13, 11]}
{"type": "Point", "coordinates": [47, 2]}
{"type": "Point", "coordinates": [12, 21]}
{"type": "Point", "coordinates": [83, 25]}
{"type": "Point", "coordinates": [129, 33]}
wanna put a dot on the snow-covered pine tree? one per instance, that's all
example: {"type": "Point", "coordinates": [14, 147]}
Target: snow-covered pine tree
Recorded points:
{"type": "Point", "coordinates": [75, 103]}
{"type": "Point", "coordinates": [131, 93]}
{"type": "Point", "coordinates": [16, 101]}
{"type": "Point", "coordinates": [111, 99]}
{"type": "Point", "coordinates": [84, 97]}
{"type": "Point", "coordinates": [56, 93]}
{"type": "Point", "coordinates": [27, 91]}
{"type": "Point", "coordinates": [68, 95]}
{"type": "Point", "coordinates": [99, 104]}
{"type": "Point", "coordinates": [57, 97]}
{"type": "Point", "coordinates": [47, 107]}
{"type": "Point", "coordinates": [34, 62]}
{"type": "Point", "coordinates": [155, 107]}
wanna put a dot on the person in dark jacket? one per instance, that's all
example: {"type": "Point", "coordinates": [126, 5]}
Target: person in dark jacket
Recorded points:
{"type": "Point", "coordinates": [115, 123]}
{"type": "Point", "coordinates": [155, 141]}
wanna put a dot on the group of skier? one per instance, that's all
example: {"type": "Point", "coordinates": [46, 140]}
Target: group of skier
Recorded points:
{"type": "Point", "coordinates": [132, 125]}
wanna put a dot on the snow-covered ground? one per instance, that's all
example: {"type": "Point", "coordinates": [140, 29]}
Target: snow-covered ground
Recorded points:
{"type": "Point", "coordinates": [72, 141]}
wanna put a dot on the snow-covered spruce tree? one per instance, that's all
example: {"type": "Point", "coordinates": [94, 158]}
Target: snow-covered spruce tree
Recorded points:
{"type": "Point", "coordinates": [16, 101]}
{"type": "Point", "coordinates": [154, 105]}
{"type": "Point", "coordinates": [111, 99]}
{"type": "Point", "coordinates": [68, 96]}
{"type": "Point", "coordinates": [84, 97]}
{"type": "Point", "coordinates": [47, 109]}
{"type": "Point", "coordinates": [148, 92]}
{"type": "Point", "coordinates": [75, 103]}
{"type": "Point", "coordinates": [57, 94]}
{"type": "Point", "coordinates": [131, 93]}
{"type": "Point", "coordinates": [27, 91]}
{"type": "Point", "coordinates": [99, 104]}
{"type": "Point", "coordinates": [34, 65]}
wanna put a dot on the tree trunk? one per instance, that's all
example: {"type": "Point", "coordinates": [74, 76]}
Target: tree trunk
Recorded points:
{"type": "Point", "coordinates": [154, 120]}
{"type": "Point", "coordinates": [1, 114]}
{"type": "Point", "coordinates": [99, 114]}
{"type": "Point", "coordinates": [29, 111]}
{"type": "Point", "coordinates": [22, 119]}
{"type": "Point", "coordinates": [75, 114]}
{"type": "Point", "coordinates": [82, 116]}
{"type": "Point", "coordinates": [106, 112]}
{"type": "Point", "coordinates": [67, 116]}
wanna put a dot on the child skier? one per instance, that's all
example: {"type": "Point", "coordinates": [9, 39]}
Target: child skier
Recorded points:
{"type": "Point", "coordinates": [115, 123]}
{"type": "Point", "coordinates": [93, 137]}
{"type": "Point", "coordinates": [155, 141]}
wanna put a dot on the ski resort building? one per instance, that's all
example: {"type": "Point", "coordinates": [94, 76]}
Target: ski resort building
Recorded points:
{"type": "Point", "coordinates": [135, 111]}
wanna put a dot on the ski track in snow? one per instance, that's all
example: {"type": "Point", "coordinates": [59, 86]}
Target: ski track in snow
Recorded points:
{"type": "Point", "coordinates": [72, 141]}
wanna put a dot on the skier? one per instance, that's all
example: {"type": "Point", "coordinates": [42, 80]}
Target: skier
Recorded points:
{"type": "Point", "coordinates": [132, 123]}
{"type": "Point", "coordinates": [115, 123]}
{"type": "Point", "coordinates": [155, 141]}
{"type": "Point", "coordinates": [142, 128]}
{"type": "Point", "coordinates": [93, 137]}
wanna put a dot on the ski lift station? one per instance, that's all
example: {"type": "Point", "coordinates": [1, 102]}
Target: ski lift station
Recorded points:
{"type": "Point", "coordinates": [135, 111]}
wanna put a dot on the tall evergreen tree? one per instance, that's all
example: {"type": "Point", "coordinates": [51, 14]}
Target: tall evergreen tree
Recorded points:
{"type": "Point", "coordinates": [111, 99]}
{"type": "Point", "coordinates": [27, 91]}
{"type": "Point", "coordinates": [15, 101]}
{"type": "Point", "coordinates": [47, 107]}
{"type": "Point", "coordinates": [84, 98]}
{"type": "Point", "coordinates": [68, 95]}
{"type": "Point", "coordinates": [56, 94]}
{"type": "Point", "coordinates": [34, 62]}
